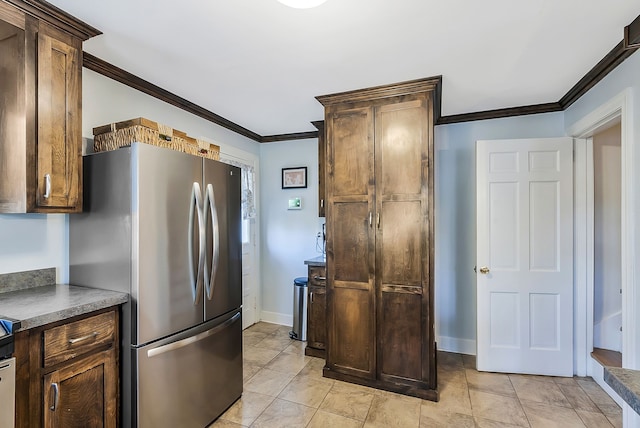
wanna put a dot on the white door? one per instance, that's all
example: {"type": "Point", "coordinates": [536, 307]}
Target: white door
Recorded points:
{"type": "Point", "coordinates": [525, 256]}
{"type": "Point", "coordinates": [248, 274]}
{"type": "Point", "coordinates": [250, 234]}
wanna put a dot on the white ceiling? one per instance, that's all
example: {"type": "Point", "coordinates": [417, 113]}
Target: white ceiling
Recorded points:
{"type": "Point", "coordinates": [260, 64]}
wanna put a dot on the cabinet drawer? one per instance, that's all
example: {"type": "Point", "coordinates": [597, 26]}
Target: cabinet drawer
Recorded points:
{"type": "Point", "coordinates": [317, 276]}
{"type": "Point", "coordinates": [70, 340]}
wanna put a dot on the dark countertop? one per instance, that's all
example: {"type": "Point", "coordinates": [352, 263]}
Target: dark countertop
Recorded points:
{"type": "Point", "coordinates": [38, 306]}
{"type": "Point", "coordinates": [316, 261]}
{"type": "Point", "coordinates": [626, 383]}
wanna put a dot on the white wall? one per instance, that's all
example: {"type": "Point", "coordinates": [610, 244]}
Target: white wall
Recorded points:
{"type": "Point", "coordinates": [607, 300]}
{"type": "Point", "coordinates": [455, 193]}
{"type": "Point", "coordinates": [288, 236]}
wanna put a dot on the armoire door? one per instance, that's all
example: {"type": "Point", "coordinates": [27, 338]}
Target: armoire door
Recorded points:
{"type": "Point", "coordinates": [403, 211]}
{"type": "Point", "coordinates": [350, 243]}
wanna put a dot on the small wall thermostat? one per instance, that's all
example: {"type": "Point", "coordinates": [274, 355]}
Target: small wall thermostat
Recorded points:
{"type": "Point", "coordinates": [295, 204]}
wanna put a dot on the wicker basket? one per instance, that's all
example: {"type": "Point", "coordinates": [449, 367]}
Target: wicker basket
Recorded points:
{"type": "Point", "coordinates": [201, 148]}
{"type": "Point", "coordinates": [121, 134]}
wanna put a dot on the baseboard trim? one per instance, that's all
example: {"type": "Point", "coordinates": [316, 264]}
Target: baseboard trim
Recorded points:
{"type": "Point", "coordinates": [459, 346]}
{"type": "Point", "coordinates": [276, 318]}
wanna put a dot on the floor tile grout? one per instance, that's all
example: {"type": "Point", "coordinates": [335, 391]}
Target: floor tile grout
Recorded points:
{"type": "Point", "coordinates": [455, 370]}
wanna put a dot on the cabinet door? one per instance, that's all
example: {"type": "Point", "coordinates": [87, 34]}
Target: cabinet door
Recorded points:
{"type": "Point", "coordinates": [82, 394]}
{"type": "Point", "coordinates": [350, 243]}
{"type": "Point", "coordinates": [59, 151]}
{"type": "Point", "coordinates": [403, 158]}
{"type": "Point", "coordinates": [12, 106]}
{"type": "Point", "coordinates": [317, 325]}
{"type": "Point", "coordinates": [322, 155]}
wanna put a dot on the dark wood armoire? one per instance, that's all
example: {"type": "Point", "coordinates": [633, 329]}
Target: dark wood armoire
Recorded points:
{"type": "Point", "coordinates": [380, 236]}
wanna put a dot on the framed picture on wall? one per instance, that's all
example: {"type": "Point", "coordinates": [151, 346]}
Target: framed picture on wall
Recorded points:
{"type": "Point", "coordinates": [294, 178]}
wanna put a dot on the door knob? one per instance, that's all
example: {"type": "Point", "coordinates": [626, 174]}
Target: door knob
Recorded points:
{"type": "Point", "coordinates": [484, 270]}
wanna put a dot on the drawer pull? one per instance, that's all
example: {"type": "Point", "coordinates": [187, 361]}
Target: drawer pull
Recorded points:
{"type": "Point", "coordinates": [83, 338]}
{"type": "Point", "coordinates": [320, 278]}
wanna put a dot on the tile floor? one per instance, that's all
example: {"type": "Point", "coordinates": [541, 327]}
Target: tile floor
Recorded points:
{"type": "Point", "coordinates": [285, 388]}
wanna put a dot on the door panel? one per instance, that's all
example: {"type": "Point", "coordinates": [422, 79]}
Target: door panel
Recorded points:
{"type": "Point", "coordinates": [226, 281]}
{"type": "Point", "coordinates": [188, 380]}
{"type": "Point", "coordinates": [400, 143]}
{"type": "Point", "coordinates": [350, 162]}
{"type": "Point", "coordinates": [351, 245]}
{"type": "Point", "coordinates": [400, 344]}
{"type": "Point", "coordinates": [316, 333]}
{"type": "Point", "coordinates": [162, 288]}
{"type": "Point", "coordinates": [401, 246]}
{"type": "Point", "coordinates": [82, 394]}
{"type": "Point", "coordinates": [351, 338]}
{"type": "Point", "coordinates": [525, 242]}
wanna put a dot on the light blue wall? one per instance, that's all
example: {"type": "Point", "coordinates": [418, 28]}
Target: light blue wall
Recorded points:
{"type": "Point", "coordinates": [625, 77]}
{"type": "Point", "coordinates": [105, 101]}
{"type": "Point", "coordinates": [41, 241]}
{"type": "Point", "coordinates": [288, 236]}
{"type": "Point", "coordinates": [455, 193]}
{"type": "Point", "coordinates": [34, 241]}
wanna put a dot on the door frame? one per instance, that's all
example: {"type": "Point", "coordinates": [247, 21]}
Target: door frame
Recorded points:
{"type": "Point", "coordinates": [617, 108]}
{"type": "Point", "coordinates": [238, 155]}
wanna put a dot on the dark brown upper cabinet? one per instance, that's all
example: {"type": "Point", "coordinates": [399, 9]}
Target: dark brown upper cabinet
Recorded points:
{"type": "Point", "coordinates": [40, 108]}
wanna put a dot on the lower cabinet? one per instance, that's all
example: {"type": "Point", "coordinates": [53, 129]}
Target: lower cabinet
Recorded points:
{"type": "Point", "coordinates": [82, 394]}
{"type": "Point", "coordinates": [316, 312]}
{"type": "Point", "coordinates": [68, 373]}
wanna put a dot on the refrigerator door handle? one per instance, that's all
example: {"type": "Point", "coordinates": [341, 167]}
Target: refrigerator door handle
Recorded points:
{"type": "Point", "coordinates": [193, 339]}
{"type": "Point", "coordinates": [196, 211]}
{"type": "Point", "coordinates": [210, 208]}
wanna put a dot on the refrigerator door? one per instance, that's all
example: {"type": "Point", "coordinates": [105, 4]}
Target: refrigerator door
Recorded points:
{"type": "Point", "coordinates": [168, 242]}
{"type": "Point", "coordinates": [190, 379]}
{"type": "Point", "coordinates": [223, 253]}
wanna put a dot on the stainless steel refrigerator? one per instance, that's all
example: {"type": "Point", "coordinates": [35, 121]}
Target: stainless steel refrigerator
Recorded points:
{"type": "Point", "coordinates": [165, 227]}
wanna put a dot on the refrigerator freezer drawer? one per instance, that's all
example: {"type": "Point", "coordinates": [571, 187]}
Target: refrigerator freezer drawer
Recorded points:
{"type": "Point", "coordinates": [190, 379]}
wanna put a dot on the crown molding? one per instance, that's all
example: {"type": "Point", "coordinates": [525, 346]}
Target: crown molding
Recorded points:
{"type": "Point", "coordinates": [610, 61]}
{"type": "Point", "coordinates": [606, 65]}
{"type": "Point", "coordinates": [632, 34]}
{"type": "Point", "coordinates": [57, 17]}
{"type": "Point", "coordinates": [289, 137]}
{"type": "Point", "coordinates": [109, 70]}
{"type": "Point", "coordinates": [500, 113]}
{"type": "Point", "coordinates": [383, 91]}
